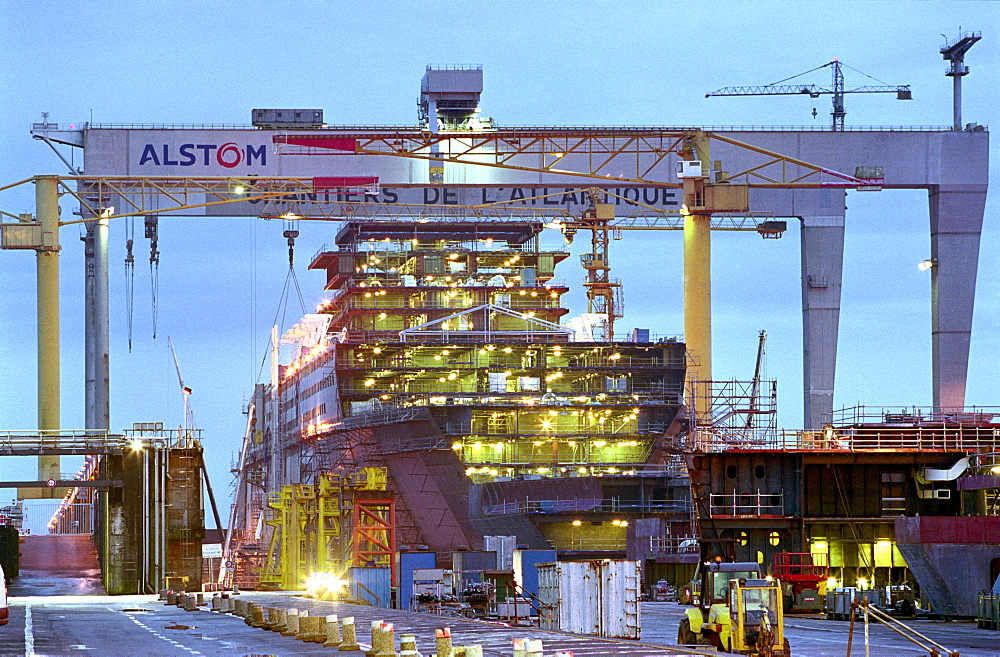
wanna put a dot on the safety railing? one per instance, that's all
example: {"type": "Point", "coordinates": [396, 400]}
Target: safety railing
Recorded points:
{"type": "Point", "coordinates": [967, 439]}
{"type": "Point", "coordinates": [411, 128]}
{"type": "Point", "coordinates": [674, 544]}
{"type": "Point", "coordinates": [913, 415]}
{"type": "Point", "coordinates": [521, 471]}
{"type": "Point", "coordinates": [567, 505]}
{"type": "Point", "coordinates": [581, 544]}
{"type": "Point", "coordinates": [747, 504]}
{"type": "Point", "coordinates": [73, 442]}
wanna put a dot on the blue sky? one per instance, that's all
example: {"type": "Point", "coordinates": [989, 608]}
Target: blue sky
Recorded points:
{"type": "Point", "coordinates": [545, 63]}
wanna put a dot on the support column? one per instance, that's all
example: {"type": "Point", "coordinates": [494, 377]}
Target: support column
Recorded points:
{"type": "Point", "coordinates": [47, 214]}
{"type": "Point", "coordinates": [698, 306]}
{"type": "Point", "coordinates": [956, 226]}
{"type": "Point", "coordinates": [698, 282]}
{"type": "Point", "coordinates": [102, 410]}
{"type": "Point", "coordinates": [88, 327]}
{"type": "Point", "coordinates": [822, 258]}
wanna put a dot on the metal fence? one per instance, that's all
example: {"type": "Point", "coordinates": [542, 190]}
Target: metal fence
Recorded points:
{"type": "Point", "coordinates": [937, 438]}
{"type": "Point", "coordinates": [747, 504]}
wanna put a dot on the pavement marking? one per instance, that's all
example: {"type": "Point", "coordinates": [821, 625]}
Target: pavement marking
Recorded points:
{"type": "Point", "coordinates": [29, 633]}
{"type": "Point", "coordinates": [160, 636]}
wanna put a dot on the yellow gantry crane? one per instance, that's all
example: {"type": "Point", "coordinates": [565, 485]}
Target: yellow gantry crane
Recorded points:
{"type": "Point", "coordinates": [569, 154]}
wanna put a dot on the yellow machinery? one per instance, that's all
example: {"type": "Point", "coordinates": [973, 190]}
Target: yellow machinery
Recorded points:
{"type": "Point", "coordinates": [340, 521]}
{"type": "Point", "coordinates": [738, 612]}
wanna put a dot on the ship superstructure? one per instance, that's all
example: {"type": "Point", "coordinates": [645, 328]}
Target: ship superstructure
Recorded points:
{"type": "Point", "coordinates": [442, 355]}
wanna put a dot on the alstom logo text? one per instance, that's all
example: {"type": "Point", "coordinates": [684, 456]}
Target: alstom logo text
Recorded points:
{"type": "Point", "coordinates": [228, 155]}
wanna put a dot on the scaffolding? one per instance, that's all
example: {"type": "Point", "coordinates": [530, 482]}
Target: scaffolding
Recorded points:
{"type": "Point", "coordinates": [340, 521]}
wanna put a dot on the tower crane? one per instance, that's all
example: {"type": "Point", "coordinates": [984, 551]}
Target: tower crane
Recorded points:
{"type": "Point", "coordinates": [837, 90]}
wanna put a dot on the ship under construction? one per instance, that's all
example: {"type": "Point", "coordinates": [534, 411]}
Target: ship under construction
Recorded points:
{"type": "Point", "coordinates": [440, 358]}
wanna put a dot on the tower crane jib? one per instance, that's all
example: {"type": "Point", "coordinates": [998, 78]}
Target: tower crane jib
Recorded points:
{"type": "Point", "coordinates": [836, 90]}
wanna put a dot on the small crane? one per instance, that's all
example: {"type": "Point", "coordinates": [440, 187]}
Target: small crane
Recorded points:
{"type": "Point", "coordinates": [837, 90]}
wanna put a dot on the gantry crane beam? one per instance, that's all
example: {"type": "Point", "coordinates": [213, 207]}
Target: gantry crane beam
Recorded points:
{"type": "Point", "coordinates": [636, 153]}
{"type": "Point", "coordinates": [282, 197]}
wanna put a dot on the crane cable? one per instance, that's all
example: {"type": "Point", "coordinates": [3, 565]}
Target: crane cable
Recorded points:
{"type": "Point", "coordinates": [129, 276]}
{"type": "Point", "coordinates": [291, 279]}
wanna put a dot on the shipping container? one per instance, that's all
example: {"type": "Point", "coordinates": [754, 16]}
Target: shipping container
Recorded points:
{"type": "Point", "coordinates": [504, 548]}
{"type": "Point", "coordinates": [408, 562]}
{"type": "Point", "coordinates": [599, 597]}
{"type": "Point", "coordinates": [372, 585]}
{"type": "Point", "coordinates": [525, 571]}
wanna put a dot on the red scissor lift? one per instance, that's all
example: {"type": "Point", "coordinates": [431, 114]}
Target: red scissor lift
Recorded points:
{"type": "Point", "coordinates": [803, 576]}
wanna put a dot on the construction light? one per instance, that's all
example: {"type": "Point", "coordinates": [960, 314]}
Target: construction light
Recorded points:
{"type": "Point", "coordinates": [831, 582]}
{"type": "Point", "coordinates": [995, 469]}
{"type": "Point", "coordinates": [577, 523]}
{"type": "Point", "coordinates": [136, 445]}
{"type": "Point", "coordinates": [862, 583]}
{"type": "Point", "coordinates": [239, 189]}
{"type": "Point", "coordinates": [927, 264]}
{"type": "Point", "coordinates": [324, 584]}
{"type": "Point", "coordinates": [456, 446]}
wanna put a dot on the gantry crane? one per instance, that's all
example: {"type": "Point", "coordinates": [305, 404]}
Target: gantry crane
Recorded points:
{"type": "Point", "coordinates": [639, 156]}
{"type": "Point", "coordinates": [837, 91]}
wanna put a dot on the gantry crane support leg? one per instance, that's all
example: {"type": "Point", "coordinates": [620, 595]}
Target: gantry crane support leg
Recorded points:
{"type": "Point", "coordinates": [698, 279]}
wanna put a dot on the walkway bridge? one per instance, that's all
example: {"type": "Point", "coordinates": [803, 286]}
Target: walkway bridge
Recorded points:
{"type": "Point", "coordinates": [142, 493]}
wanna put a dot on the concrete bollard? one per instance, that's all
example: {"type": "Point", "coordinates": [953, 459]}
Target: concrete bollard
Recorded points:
{"type": "Point", "coordinates": [239, 608]}
{"type": "Point", "coordinates": [376, 637]}
{"type": "Point", "coordinates": [307, 628]}
{"type": "Point", "coordinates": [200, 599]}
{"type": "Point", "coordinates": [319, 635]}
{"type": "Point", "coordinates": [291, 622]}
{"type": "Point", "coordinates": [171, 598]}
{"type": "Point", "coordinates": [190, 603]}
{"type": "Point", "coordinates": [267, 617]}
{"type": "Point", "coordinates": [228, 605]}
{"type": "Point", "coordinates": [407, 643]}
{"type": "Point", "coordinates": [259, 621]}
{"type": "Point", "coordinates": [163, 594]}
{"type": "Point", "coordinates": [474, 651]}
{"type": "Point", "coordinates": [332, 632]}
{"type": "Point", "coordinates": [442, 642]}
{"type": "Point", "coordinates": [282, 623]}
{"type": "Point", "coordinates": [458, 651]}
{"type": "Point", "coordinates": [216, 602]}
{"type": "Point", "coordinates": [534, 648]}
{"type": "Point", "coordinates": [270, 618]}
{"type": "Point", "coordinates": [387, 641]}
{"type": "Point", "coordinates": [236, 590]}
{"type": "Point", "coordinates": [350, 640]}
